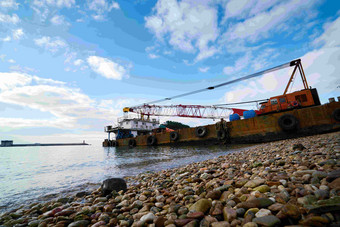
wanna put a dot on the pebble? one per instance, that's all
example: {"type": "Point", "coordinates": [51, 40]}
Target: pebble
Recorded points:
{"type": "Point", "coordinates": [271, 184]}
{"type": "Point", "coordinates": [262, 213]}
{"type": "Point", "coordinates": [269, 221]}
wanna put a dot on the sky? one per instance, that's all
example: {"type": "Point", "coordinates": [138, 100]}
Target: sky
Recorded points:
{"type": "Point", "coordinates": [68, 67]}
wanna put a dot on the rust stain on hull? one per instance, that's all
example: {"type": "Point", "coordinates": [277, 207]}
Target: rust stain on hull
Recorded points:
{"type": "Point", "coordinates": [311, 120]}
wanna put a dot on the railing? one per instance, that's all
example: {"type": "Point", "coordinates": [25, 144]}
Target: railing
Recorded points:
{"type": "Point", "coordinates": [110, 128]}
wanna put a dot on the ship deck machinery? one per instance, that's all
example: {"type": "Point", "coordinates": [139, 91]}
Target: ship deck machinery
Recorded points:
{"type": "Point", "coordinates": [282, 125]}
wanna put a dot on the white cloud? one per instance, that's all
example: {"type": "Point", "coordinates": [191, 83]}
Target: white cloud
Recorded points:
{"type": "Point", "coordinates": [204, 69]}
{"type": "Point", "coordinates": [186, 25]}
{"type": "Point", "coordinates": [78, 62]}
{"type": "Point", "coordinates": [11, 80]}
{"type": "Point", "coordinates": [6, 39]}
{"type": "Point", "coordinates": [69, 107]}
{"type": "Point", "coordinates": [101, 8]}
{"type": "Point", "coordinates": [107, 68]}
{"type": "Point", "coordinates": [330, 38]}
{"type": "Point", "coordinates": [320, 66]}
{"type": "Point", "coordinates": [240, 64]}
{"type": "Point", "coordinates": [51, 44]}
{"type": "Point", "coordinates": [58, 20]}
{"type": "Point", "coordinates": [246, 8]}
{"type": "Point", "coordinates": [43, 8]}
{"type": "Point", "coordinates": [17, 33]}
{"type": "Point", "coordinates": [14, 19]}
{"type": "Point", "coordinates": [251, 61]}
{"type": "Point", "coordinates": [258, 26]}
{"type": "Point", "coordinates": [22, 69]}
{"type": "Point", "coordinates": [12, 61]}
{"type": "Point", "coordinates": [57, 3]}
{"type": "Point", "coordinates": [153, 56]}
{"type": "Point", "coordinates": [11, 4]}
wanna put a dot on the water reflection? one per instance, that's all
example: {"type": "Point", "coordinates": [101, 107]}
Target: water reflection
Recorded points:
{"type": "Point", "coordinates": [31, 172]}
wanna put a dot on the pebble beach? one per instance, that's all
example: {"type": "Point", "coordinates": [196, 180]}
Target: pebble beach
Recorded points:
{"type": "Point", "coordinates": [292, 182]}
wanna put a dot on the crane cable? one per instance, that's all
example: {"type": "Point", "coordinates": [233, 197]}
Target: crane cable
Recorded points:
{"type": "Point", "coordinates": [238, 103]}
{"type": "Point", "coordinates": [285, 65]}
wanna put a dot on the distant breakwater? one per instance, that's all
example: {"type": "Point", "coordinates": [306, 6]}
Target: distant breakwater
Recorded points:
{"type": "Point", "coordinates": [45, 144]}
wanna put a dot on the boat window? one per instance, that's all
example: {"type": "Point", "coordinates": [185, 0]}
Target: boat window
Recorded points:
{"type": "Point", "coordinates": [303, 98]}
{"type": "Point", "coordinates": [273, 101]}
{"type": "Point", "coordinates": [263, 106]}
{"type": "Point", "coordinates": [282, 100]}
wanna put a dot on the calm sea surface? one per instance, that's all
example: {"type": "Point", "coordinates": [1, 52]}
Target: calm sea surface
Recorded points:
{"type": "Point", "coordinates": [31, 174]}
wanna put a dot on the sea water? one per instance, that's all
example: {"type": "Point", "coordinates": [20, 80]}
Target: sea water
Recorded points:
{"type": "Point", "coordinates": [38, 174]}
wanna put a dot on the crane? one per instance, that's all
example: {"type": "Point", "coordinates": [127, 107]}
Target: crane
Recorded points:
{"type": "Point", "coordinates": [193, 111]}
{"type": "Point", "coordinates": [299, 99]}
{"type": "Point", "coordinates": [217, 111]}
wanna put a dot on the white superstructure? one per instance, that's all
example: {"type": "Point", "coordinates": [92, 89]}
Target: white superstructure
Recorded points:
{"type": "Point", "coordinates": [137, 126]}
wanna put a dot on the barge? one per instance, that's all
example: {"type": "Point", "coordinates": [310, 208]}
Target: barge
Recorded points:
{"type": "Point", "coordinates": [270, 127]}
{"type": "Point", "coordinates": [285, 116]}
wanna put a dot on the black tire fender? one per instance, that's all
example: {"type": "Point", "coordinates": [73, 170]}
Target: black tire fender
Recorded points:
{"type": "Point", "coordinates": [114, 143]}
{"type": "Point", "coordinates": [201, 131]}
{"type": "Point", "coordinates": [221, 134]}
{"type": "Point", "coordinates": [174, 136]}
{"type": "Point", "coordinates": [288, 122]}
{"type": "Point", "coordinates": [132, 142]}
{"type": "Point", "coordinates": [336, 114]}
{"type": "Point", "coordinates": [151, 141]}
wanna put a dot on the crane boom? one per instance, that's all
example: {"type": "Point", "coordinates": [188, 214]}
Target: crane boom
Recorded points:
{"type": "Point", "coordinates": [193, 111]}
{"type": "Point", "coordinates": [211, 112]}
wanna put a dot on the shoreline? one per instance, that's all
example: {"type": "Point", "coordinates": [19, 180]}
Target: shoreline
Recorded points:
{"type": "Point", "coordinates": [270, 182]}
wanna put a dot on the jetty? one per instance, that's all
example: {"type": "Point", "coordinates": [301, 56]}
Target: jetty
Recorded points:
{"type": "Point", "coordinates": [9, 143]}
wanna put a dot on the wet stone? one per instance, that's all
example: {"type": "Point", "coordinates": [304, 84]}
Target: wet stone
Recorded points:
{"type": "Point", "coordinates": [220, 224]}
{"type": "Point", "coordinates": [240, 212]}
{"type": "Point", "coordinates": [113, 184]}
{"type": "Point", "coordinates": [258, 202]}
{"type": "Point", "coordinates": [195, 215]}
{"type": "Point", "coordinates": [268, 221]}
{"type": "Point", "coordinates": [321, 194]}
{"type": "Point", "coordinates": [214, 194]}
{"type": "Point", "coordinates": [81, 223]}
{"type": "Point", "coordinates": [182, 222]}
{"type": "Point", "coordinates": [315, 221]}
{"type": "Point", "coordinates": [229, 214]}
{"type": "Point", "coordinates": [262, 188]}
{"type": "Point", "coordinates": [250, 224]}
{"type": "Point", "coordinates": [335, 184]}
{"type": "Point", "coordinates": [262, 212]}
{"type": "Point", "coordinates": [202, 205]}
{"type": "Point", "coordinates": [275, 207]}
{"type": "Point", "coordinates": [319, 174]}
{"type": "Point", "coordinates": [254, 183]}
{"type": "Point", "coordinates": [333, 175]}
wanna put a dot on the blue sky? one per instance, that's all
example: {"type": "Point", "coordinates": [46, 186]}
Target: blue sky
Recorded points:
{"type": "Point", "coordinates": [68, 67]}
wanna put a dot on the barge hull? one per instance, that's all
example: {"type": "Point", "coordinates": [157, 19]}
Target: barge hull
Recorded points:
{"type": "Point", "coordinates": [309, 121]}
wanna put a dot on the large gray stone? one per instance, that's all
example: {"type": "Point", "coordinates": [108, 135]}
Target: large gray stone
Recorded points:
{"type": "Point", "coordinates": [269, 221]}
{"type": "Point", "coordinates": [113, 184]}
